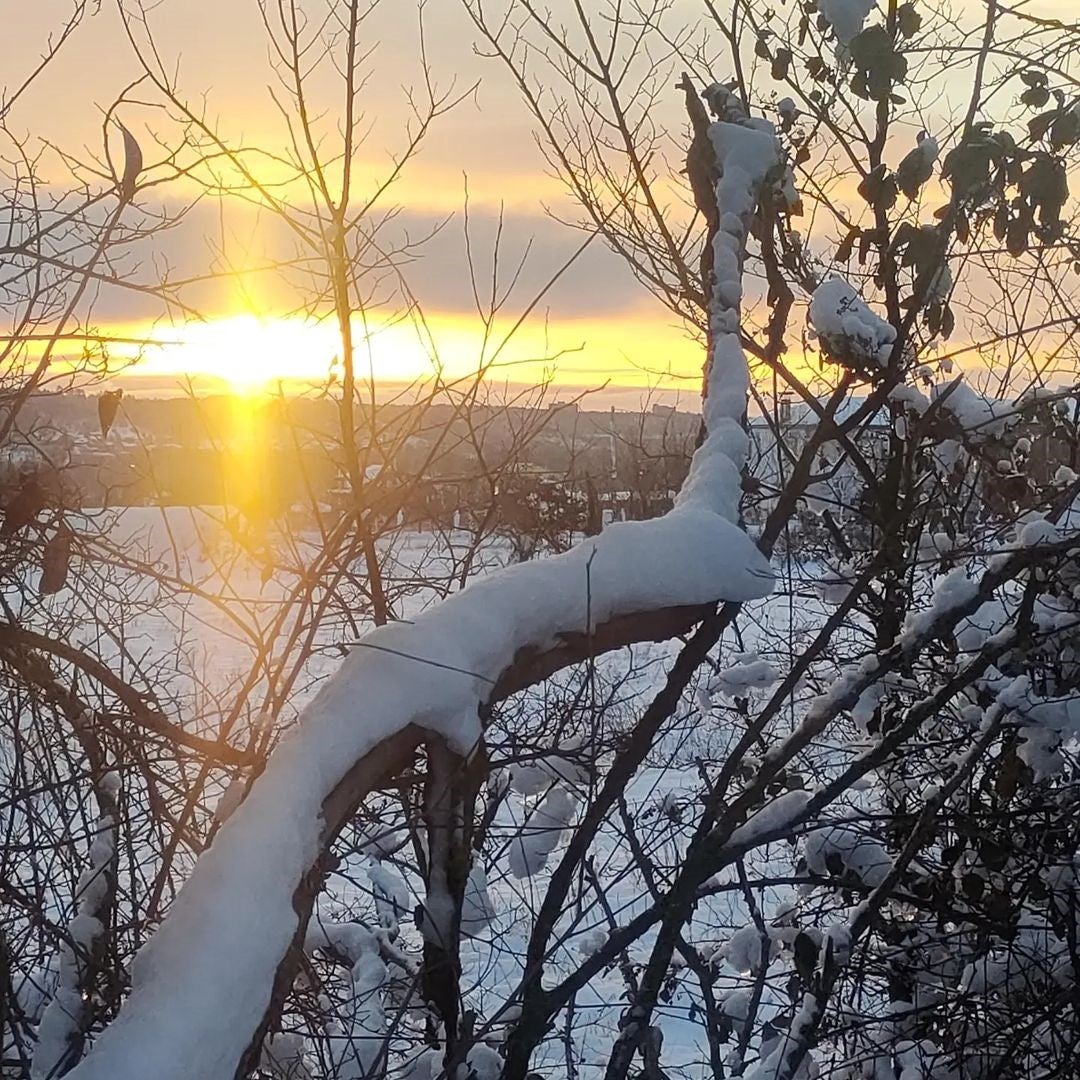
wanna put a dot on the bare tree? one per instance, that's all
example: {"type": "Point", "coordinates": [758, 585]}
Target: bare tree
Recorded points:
{"type": "Point", "coordinates": [822, 831]}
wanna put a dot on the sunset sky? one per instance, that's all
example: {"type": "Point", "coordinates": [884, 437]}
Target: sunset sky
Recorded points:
{"type": "Point", "coordinates": [594, 327]}
{"type": "Point", "coordinates": [601, 325]}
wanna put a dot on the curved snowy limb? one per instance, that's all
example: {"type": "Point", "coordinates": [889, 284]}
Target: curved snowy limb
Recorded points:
{"type": "Point", "coordinates": [210, 967]}
{"type": "Point", "coordinates": [202, 985]}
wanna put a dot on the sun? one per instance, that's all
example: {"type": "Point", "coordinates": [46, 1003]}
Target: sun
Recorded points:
{"type": "Point", "coordinates": [249, 353]}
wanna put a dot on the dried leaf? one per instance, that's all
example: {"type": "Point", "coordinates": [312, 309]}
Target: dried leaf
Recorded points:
{"type": "Point", "coordinates": [1039, 125]}
{"type": "Point", "coordinates": [973, 887]}
{"type": "Point", "coordinates": [806, 956]}
{"type": "Point", "coordinates": [781, 64]}
{"type": "Point", "coordinates": [107, 406]}
{"type": "Point", "coordinates": [1016, 237]}
{"type": "Point", "coordinates": [908, 20]}
{"type": "Point", "coordinates": [1035, 97]}
{"type": "Point", "coordinates": [1010, 774]}
{"type": "Point", "coordinates": [847, 245]}
{"type": "Point", "coordinates": [133, 163]}
{"type": "Point", "coordinates": [56, 561]}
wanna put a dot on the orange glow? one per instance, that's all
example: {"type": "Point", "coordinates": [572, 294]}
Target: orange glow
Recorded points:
{"type": "Point", "coordinates": [249, 354]}
{"type": "Point", "coordinates": [246, 352]}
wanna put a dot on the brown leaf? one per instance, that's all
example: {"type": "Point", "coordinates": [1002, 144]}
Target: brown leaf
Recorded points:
{"type": "Point", "coordinates": [806, 957]}
{"type": "Point", "coordinates": [56, 561]}
{"type": "Point", "coordinates": [1010, 774]}
{"type": "Point", "coordinates": [107, 406]}
{"type": "Point", "coordinates": [133, 163]}
{"type": "Point", "coordinates": [908, 20]}
{"type": "Point", "coordinates": [847, 245]}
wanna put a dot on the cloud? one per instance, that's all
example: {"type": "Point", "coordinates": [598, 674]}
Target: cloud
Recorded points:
{"type": "Point", "coordinates": [241, 259]}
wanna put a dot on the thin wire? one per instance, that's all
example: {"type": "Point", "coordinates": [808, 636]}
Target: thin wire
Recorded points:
{"type": "Point", "coordinates": [418, 659]}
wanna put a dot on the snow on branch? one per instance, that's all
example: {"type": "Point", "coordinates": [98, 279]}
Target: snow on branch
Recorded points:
{"type": "Point", "coordinates": [60, 1032]}
{"type": "Point", "coordinates": [745, 155]}
{"type": "Point", "coordinates": [203, 982]}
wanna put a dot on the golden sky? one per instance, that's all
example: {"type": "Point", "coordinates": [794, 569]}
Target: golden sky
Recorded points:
{"type": "Point", "coordinates": [596, 327]}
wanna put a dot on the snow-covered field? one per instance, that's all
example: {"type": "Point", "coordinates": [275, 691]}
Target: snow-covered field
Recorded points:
{"type": "Point", "coordinates": [193, 595]}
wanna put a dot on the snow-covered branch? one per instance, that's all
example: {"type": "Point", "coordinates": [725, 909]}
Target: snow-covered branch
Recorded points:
{"type": "Point", "coordinates": [64, 1021]}
{"type": "Point", "coordinates": [202, 984]}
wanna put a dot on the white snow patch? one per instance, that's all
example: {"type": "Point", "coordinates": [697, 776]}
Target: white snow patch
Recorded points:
{"type": "Point", "coordinates": [846, 17]}
{"type": "Point", "coordinates": [849, 330]}
{"type": "Point", "coordinates": [773, 816]}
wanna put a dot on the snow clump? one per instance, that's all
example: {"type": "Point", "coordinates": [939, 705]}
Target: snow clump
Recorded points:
{"type": "Point", "coordinates": [541, 834]}
{"type": "Point", "coordinates": [849, 331]}
{"type": "Point", "coordinates": [846, 17]}
{"type": "Point", "coordinates": [840, 847]}
{"type": "Point", "coordinates": [751, 673]}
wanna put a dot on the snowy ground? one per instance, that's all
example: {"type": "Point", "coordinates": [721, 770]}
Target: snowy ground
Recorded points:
{"type": "Point", "coordinates": [208, 608]}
